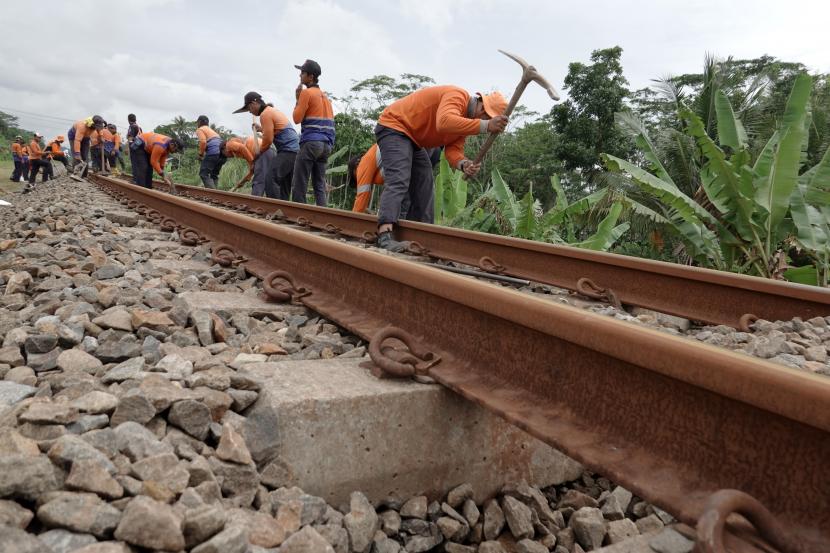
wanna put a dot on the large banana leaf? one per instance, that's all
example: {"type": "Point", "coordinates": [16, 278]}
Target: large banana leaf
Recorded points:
{"type": "Point", "coordinates": [773, 192]}
{"type": "Point", "coordinates": [630, 124]}
{"type": "Point", "coordinates": [505, 197]}
{"type": "Point", "coordinates": [812, 227]}
{"type": "Point", "coordinates": [555, 215]}
{"type": "Point", "coordinates": [527, 222]}
{"type": "Point", "coordinates": [731, 131]}
{"type": "Point", "coordinates": [440, 183]}
{"type": "Point", "coordinates": [607, 232]}
{"type": "Point", "coordinates": [764, 162]}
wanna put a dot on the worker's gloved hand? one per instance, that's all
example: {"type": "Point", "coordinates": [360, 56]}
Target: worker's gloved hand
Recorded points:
{"type": "Point", "coordinates": [497, 124]}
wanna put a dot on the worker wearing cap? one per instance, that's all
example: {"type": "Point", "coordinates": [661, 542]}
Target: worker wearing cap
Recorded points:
{"type": "Point", "coordinates": [273, 168]}
{"type": "Point", "coordinates": [433, 116]}
{"type": "Point", "coordinates": [37, 161]}
{"type": "Point", "coordinates": [365, 171]}
{"type": "Point", "coordinates": [243, 149]}
{"type": "Point", "coordinates": [55, 150]}
{"type": "Point", "coordinates": [17, 158]}
{"type": "Point", "coordinates": [209, 152]}
{"type": "Point", "coordinates": [79, 138]}
{"type": "Point", "coordinates": [150, 151]}
{"type": "Point", "coordinates": [133, 130]}
{"type": "Point", "coordinates": [112, 147]}
{"type": "Point", "coordinates": [314, 111]}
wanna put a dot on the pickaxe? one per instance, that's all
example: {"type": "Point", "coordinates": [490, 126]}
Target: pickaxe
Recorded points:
{"type": "Point", "coordinates": [529, 74]}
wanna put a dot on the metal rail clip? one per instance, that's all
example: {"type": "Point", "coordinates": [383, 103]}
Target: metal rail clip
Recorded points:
{"type": "Point", "coordinates": [225, 255]}
{"type": "Point", "coordinates": [721, 504]}
{"type": "Point", "coordinates": [282, 293]}
{"type": "Point", "coordinates": [588, 288]}
{"type": "Point", "coordinates": [191, 237]}
{"type": "Point", "coordinates": [488, 265]}
{"type": "Point", "coordinates": [392, 363]}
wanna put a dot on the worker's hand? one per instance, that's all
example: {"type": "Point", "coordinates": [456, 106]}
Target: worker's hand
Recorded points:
{"type": "Point", "coordinates": [471, 169]}
{"type": "Point", "coordinates": [257, 127]}
{"type": "Point", "coordinates": [299, 89]}
{"type": "Point", "coordinates": [201, 157]}
{"type": "Point", "coordinates": [497, 124]}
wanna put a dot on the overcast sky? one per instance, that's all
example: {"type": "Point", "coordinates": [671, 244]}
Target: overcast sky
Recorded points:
{"type": "Point", "coordinates": [162, 58]}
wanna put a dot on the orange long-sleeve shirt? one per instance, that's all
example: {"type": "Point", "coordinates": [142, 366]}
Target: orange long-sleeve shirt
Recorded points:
{"type": "Point", "coordinates": [35, 152]}
{"type": "Point", "coordinates": [82, 131]}
{"type": "Point", "coordinates": [54, 149]}
{"type": "Point", "coordinates": [434, 116]}
{"type": "Point", "coordinates": [17, 149]}
{"type": "Point", "coordinates": [156, 145]}
{"type": "Point", "coordinates": [234, 147]}
{"type": "Point", "coordinates": [205, 133]}
{"type": "Point", "coordinates": [116, 139]}
{"type": "Point", "coordinates": [312, 103]}
{"type": "Point", "coordinates": [368, 173]}
{"type": "Point", "coordinates": [272, 121]}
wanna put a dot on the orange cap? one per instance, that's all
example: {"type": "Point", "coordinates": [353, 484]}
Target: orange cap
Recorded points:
{"type": "Point", "coordinates": [494, 103]}
{"type": "Point", "coordinates": [59, 138]}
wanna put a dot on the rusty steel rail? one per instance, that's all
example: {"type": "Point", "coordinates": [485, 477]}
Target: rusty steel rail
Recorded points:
{"type": "Point", "coordinates": [693, 428]}
{"type": "Point", "coordinates": [703, 295]}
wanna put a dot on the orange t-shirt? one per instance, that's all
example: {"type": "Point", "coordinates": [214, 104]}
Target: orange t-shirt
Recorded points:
{"type": "Point", "coordinates": [156, 145]}
{"type": "Point", "coordinates": [368, 173]}
{"type": "Point", "coordinates": [432, 117]}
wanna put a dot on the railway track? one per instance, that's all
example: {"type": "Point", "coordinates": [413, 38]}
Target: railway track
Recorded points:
{"type": "Point", "coordinates": [699, 431]}
{"type": "Point", "coordinates": [702, 295]}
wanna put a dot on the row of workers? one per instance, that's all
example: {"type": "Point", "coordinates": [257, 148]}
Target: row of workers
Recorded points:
{"type": "Point", "coordinates": [30, 158]}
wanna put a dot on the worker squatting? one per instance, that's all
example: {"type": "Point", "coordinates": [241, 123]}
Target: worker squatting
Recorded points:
{"type": "Point", "coordinates": [410, 134]}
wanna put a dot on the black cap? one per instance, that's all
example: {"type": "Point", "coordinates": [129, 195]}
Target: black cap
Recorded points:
{"type": "Point", "coordinates": [249, 97]}
{"type": "Point", "coordinates": [311, 67]}
{"type": "Point", "coordinates": [98, 121]}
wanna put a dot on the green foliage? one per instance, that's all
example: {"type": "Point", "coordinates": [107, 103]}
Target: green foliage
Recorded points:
{"type": "Point", "coordinates": [585, 121]}
{"type": "Point", "coordinates": [450, 192]}
{"type": "Point", "coordinates": [747, 211]}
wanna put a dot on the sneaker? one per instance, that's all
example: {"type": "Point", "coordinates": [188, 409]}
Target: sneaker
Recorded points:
{"type": "Point", "coordinates": [386, 242]}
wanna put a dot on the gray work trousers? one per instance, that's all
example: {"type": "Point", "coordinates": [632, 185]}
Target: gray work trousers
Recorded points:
{"type": "Point", "coordinates": [407, 173]}
{"type": "Point", "coordinates": [311, 162]}
{"type": "Point", "coordinates": [263, 181]}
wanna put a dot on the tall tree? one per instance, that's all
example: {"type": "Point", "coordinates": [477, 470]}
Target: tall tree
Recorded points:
{"type": "Point", "coordinates": [585, 121]}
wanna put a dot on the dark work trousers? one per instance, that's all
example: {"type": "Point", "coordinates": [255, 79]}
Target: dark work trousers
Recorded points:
{"type": "Point", "coordinates": [18, 170]}
{"type": "Point", "coordinates": [83, 154]}
{"type": "Point", "coordinates": [24, 169]}
{"type": "Point", "coordinates": [407, 173]}
{"type": "Point", "coordinates": [284, 174]}
{"type": "Point", "coordinates": [311, 162]}
{"type": "Point", "coordinates": [133, 158]}
{"type": "Point", "coordinates": [62, 159]}
{"type": "Point", "coordinates": [95, 153]}
{"type": "Point", "coordinates": [209, 169]}
{"type": "Point", "coordinates": [142, 170]}
{"type": "Point", "coordinates": [48, 171]}
{"type": "Point", "coordinates": [263, 182]}
{"type": "Point", "coordinates": [36, 165]}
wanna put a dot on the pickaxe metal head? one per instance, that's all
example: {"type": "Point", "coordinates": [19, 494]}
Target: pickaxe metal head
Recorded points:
{"type": "Point", "coordinates": [529, 74]}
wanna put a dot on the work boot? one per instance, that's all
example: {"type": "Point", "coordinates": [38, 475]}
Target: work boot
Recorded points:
{"type": "Point", "coordinates": [386, 242]}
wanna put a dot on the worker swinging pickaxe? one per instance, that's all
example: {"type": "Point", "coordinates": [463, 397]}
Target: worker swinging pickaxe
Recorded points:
{"type": "Point", "coordinates": [529, 74]}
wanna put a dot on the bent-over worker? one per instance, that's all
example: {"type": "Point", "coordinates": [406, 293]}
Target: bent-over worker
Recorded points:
{"type": "Point", "coordinates": [150, 152]}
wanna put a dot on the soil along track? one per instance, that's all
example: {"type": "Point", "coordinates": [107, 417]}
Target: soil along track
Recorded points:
{"type": "Point", "coordinates": [542, 366]}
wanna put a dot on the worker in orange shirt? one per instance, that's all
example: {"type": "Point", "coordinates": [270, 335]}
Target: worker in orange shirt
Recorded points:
{"type": "Point", "coordinates": [17, 158]}
{"type": "Point", "coordinates": [96, 149]}
{"type": "Point", "coordinates": [79, 140]}
{"type": "Point", "coordinates": [242, 149]}
{"type": "Point", "coordinates": [151, 150]}
{"type": "Point", "coordinates": [37, 161]}
{"type": "Point", "coordinates": [430, 117]}
{"type": "Point", "coordinates": [112, 147]}
{"type": "Point", "coordinates": [55, 150]}
{"type": "Point", "coordinates": [273, 167]}
{"type": "Point", "coordinates": [365, 171]}
{"type": "Point", "coordinates": [209, 152]}
{"type": "Point", "coordinates": [314, 111]}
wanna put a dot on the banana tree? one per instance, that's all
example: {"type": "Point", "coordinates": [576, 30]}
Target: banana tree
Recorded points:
{"type": "Point", "coordinates": [746, 212]}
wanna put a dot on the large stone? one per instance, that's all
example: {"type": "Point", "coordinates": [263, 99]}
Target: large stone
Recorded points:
{"type": "Point", "coordinates": [671, 541]}
{"type": "Point", "coordinates": [229, 540]}
{"type": "Point", "coordinates": [49, 413]}
{"type": "Point", "coordinates": [131, 369]}
{"type": "Point", "coordinates": [136, 442]}
{"type": "Point", "coordinates": [64, 541]}
{"type": "Point", "coordinates": [191, 416]}
{"type": "Point", "coordinates": [589, 527]}
{"type": "Point", "coordinates": [95, 402]}
{"type": "Point", "coordinates": [621, 530]}
{"type": "Point", "coordinates": [307, 540]}
{"type": "Point", "coordinates": [104, 547]}
{"type": "Point", "coordinates": [201, 523]}
{"type": "Point", "coordinates": [78, 360]}
{"type": "Point", "coordinates": [15, 540]}
{"type": "Point", "coordinates": [238, 482]}
{"type": "Point", "coordinates": [43, 361]}
{"type": "Point", "coordinates": [13, 442]}
{"type": "Point", "coordinates": [69, 449]}
{"type": "Point", "coordinates": [493, 520]}
{"type": "Point", "coordinates": [90, 476]}
{"type": "Point", "coordinates": [12, 514]}
{"type": "Point", "coordinates": [116, 318]}
{"type": "Point", "coordinates": [40, 343]}
{"type": "Point", "coordinates": [80, 512]}
{"type": "Point", "coordinates": [11, 355]}
{"type": "Point", "coordinates": [164, 469]}
{"type": "Point", "coordinates": [360, 522]}
{"type": "Point", "coordinates": [349, 415]}
{"type": "Point", "coordinates": [415, 507]}
{"type": "Point", "coordinates": [232, 447]}
{"type": "Point", "coordinates": [150, 319]}
{"type": "Point", "coordinates": [12, 392]}
{"type": "Point", "coordinates": [133, 406]}
{"type": "Point", "coordinates": [519, 517]}
{"type": "Point", "coordinates": [151, 524]}
{"type": "Point", "coordinates": [26, 476]}
{"type": "Point", "coordinates": [530, 546]}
